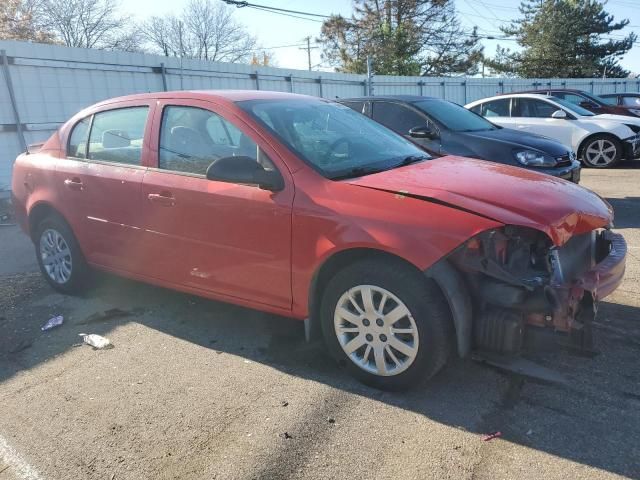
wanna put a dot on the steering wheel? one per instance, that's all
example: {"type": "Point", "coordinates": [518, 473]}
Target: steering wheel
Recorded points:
{"type": "Point", "coordinates": [334, 146]}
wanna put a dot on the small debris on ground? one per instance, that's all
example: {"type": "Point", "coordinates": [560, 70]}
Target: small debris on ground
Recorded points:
{"type": "Point", "coordinates": [96, 341]}
{"type": "Point", "coordinates": [491, 436]}
{"type": "Point", "coordinates": [331, 420]}
{"type": "Point", "coordinates": [284, 403]}
{"type": "Point", "coordinates": [529, 432]}
{"type": "Point", "coordinates": [286, 435]}
{"type": "Point", "coordinates": [52, 323]}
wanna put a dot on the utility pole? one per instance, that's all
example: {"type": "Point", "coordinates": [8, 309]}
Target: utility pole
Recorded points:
{"type": "Point", "coordinates": [370, 74]}
{"type": "Point", "coordinates": [308, 49]}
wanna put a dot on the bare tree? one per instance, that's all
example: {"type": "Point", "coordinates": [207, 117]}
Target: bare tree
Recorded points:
{"type": "Point", "coordinates": [21, 20]}
{"type": "Point", "coordinates": [89, 24]}
{"type": "Point", "coordinates": [204, 30]}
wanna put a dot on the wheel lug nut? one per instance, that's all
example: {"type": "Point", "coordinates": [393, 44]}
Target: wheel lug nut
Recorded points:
{"type": "Point", "coordinates": [366, 322]}
{"type": "Point", "coordinates": [379, 322]}
{"type": "Point", "coordinates": [383, 337]}
{"type": "Point", "coordinates": [369, 337]}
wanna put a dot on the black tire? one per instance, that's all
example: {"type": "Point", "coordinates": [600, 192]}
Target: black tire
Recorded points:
{"type": "Point", "coordinates": [76, 280]}
{"type": "Point", "coordinates": [602, 161]}
{"type": "Point", "coordinates": [424, 301]}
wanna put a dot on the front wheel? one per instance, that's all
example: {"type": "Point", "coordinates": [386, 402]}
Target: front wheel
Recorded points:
{"type": "Point", "coordinates": [388, 323]}
{"type": "Point", "coordinates": [601, 151]}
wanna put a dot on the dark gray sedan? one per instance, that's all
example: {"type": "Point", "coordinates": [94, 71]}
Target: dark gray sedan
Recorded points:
{"type": "Point", "coordinates": [445, 128]}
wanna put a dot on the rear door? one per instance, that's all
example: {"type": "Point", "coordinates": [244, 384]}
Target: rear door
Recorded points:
{"type": "Point", "coordinates": [534, 115]}
{"type": "Point", "coordinates": [401, 118]}
{"type": "Point", "coordinates": [100, 182]}
{"type": "Point", "coordinates": [229, 239]}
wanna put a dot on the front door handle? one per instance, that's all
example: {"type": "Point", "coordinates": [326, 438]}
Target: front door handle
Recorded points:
{"type": "Point", "coordinates": [73, 183]}
{"type": "Point", "coordinates": [165, 199]}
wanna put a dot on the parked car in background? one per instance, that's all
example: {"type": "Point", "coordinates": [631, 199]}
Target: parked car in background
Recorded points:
{"type": "Point", "coordinates": [628, 100]}
{"type": "Point", "coordinates": [600, 141]}
{"type": "Point", "coordinates": [446, 128]}
{"type": "Point", "coordinates": [302, 207]}
{"type": "Point", "coordinates": [589, 101]}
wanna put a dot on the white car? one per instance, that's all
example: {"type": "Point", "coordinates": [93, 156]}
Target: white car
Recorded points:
{"type": "Point", "coordinates": [600, 141]}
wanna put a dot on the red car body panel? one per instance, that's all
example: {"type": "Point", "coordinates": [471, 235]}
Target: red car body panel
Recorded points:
{"type": "Point", "coordinates": [262, 249]}
{"type": "Point", "coordinates": [559, 208]}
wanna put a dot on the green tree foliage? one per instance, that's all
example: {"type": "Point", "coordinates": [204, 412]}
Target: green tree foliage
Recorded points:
{"type": "Point", "coordinates": [403, 37]}
{"type": "Point", "coordinates": [564, 39]}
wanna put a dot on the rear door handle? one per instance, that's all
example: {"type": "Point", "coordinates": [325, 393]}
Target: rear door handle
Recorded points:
{"type": "Point", "coordinates": [165, 199]}
{"type": "Point", "coordinates": [73, 183]}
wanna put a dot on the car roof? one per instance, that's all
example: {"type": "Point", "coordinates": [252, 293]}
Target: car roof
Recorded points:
{"type": "Point", "coordinates": [402, 98]}
{"type": "Point", "coordinates": [513, 95]}
{"type": "Point", "coordinates": [539, 90]}
{"type": "Point", "coordinates": [621, 94]}
{"type": "Point", "coordinates": [221, 96]}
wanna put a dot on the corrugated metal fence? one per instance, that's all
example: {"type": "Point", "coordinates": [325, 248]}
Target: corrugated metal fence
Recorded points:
{"type": "Point", "coordinates": [43, 85]}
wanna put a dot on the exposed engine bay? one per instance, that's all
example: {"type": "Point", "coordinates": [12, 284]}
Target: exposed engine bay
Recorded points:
{"type": "Point", "coordinates": [522, 287]}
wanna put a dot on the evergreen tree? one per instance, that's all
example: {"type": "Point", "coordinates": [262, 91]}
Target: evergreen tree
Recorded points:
{"type": "Point", "coordinates": [403, 37]}
{"type": "Point", "coordinates": [564, 39]}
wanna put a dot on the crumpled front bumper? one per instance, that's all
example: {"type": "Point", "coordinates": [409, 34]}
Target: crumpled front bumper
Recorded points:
{"type": "Point", "coordinates": [632, 147]}
{"type": "Point", "coordinates": [607, 275]}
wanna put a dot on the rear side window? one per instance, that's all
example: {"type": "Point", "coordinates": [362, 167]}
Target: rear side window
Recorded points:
{"type": "Point", "coordinates": [117, 135]}
{"type": "Point", "coordinates": [397, 117]}
{"type": "Point", "coordinates": [631, 102]}
{"type": "Point", "coordinates": [192, 138]}
{"type": "Point", "coordinates": [496, 108]}
{"type": "Point", "coordinates": [78, 139]}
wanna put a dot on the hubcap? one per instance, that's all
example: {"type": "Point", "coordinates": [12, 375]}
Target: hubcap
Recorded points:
{"type": "Point", "coordinates": [601, 153]}
{"type": "Point", "coordinates": [56, 256]}
{"type": "Point", "coordinates": [376, 330]}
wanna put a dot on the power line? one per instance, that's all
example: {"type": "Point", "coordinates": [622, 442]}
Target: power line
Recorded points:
{"type": "Point", "coordinates": [241, 4]}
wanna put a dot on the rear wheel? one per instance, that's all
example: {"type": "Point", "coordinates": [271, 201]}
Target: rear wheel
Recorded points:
{"type": "Point", "coordinates": [601, 151]}
{"type": "Point", "coordinates": [59, 255]}
{"type": "Point", "coordinates": [388, 323]}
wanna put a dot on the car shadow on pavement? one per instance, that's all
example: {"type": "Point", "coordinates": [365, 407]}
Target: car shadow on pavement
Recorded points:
{"type": "Point", "coordinates": [592, 420]}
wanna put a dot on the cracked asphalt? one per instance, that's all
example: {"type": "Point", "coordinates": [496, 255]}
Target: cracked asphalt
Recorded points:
{"type": "Point", "coordinates": [196, 389]}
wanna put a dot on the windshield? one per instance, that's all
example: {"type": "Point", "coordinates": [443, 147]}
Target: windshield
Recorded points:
{"type": "Point", "coordinates": [572, 107]}
{"type": "Point", "coordinates": [594, 98]}
{"type": "Point", "coordinates": [331, 137]}
{"type": "Point", "coordinates": [453, 116]}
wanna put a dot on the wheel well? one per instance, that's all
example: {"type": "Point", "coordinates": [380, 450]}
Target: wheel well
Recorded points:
{"type": "Point", "coordinates": [330, 267]}
{"type": "Point", "coordinates": [585, 140]}
{"type": "Point", "coordinates": [37, 214]}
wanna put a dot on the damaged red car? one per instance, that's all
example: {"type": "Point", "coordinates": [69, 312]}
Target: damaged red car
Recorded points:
{"type": "Point", "coordinates": [302, 207]}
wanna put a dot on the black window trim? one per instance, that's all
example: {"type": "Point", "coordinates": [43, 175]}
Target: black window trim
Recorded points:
{"type": "Point", "coordinates": [199, 175]}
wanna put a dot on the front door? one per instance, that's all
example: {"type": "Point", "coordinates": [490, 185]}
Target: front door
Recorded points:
{"type": "Point", "coordinates": [534, 116]}
{"type": "Point", "coordinates": [226, 238]}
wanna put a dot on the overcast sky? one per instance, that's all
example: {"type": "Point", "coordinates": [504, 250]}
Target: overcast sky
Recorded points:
{"type": "Point", "coordinates": [275, 30]}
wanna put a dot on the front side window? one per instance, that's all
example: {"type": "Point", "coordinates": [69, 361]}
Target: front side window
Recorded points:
{"type": "Point", "coordinates": [496, 108]}
{"type": "Point", "coordinates": [332, 138]}
{"type": "Point", "coordinates": [193, 138]}
{"type": "Point", "coordinates": [397, 117]}
{"type": "Point", "coordinates": [453, 116]}
{"type": "Point", "coordinates": [78, 139]}
{"type": "Point", "coordinates": [117, 135]}
{"type": "Point", "coordinates": [532, 108]}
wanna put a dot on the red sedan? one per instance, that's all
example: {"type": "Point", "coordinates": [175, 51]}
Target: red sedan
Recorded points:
{"type": "Point", "coordinates": [302, 207]}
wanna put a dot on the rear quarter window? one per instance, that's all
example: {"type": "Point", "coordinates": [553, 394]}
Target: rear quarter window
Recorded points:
{"type": "Point", "coordinates": [77, 146]}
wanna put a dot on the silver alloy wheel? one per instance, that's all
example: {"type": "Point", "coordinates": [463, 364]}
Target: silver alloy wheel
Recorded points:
{"type": "Point", "coordinates": [601, 152]}
{"type": "Point", "coordinates": [56, 256]}
{"type": "Point", "coordinates": [376, 330]}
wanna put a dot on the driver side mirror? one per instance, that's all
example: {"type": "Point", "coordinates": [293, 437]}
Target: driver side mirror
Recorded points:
{"type": "Point", "coordinates": [559, 114]}
{"type": "Point", "coordinates": [243, 169]}
{"type": "Point", "coordinates": [423, 131]}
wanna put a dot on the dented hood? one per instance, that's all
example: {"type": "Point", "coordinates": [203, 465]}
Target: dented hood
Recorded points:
{"type": "Point", "coordinates": [510, 195]}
